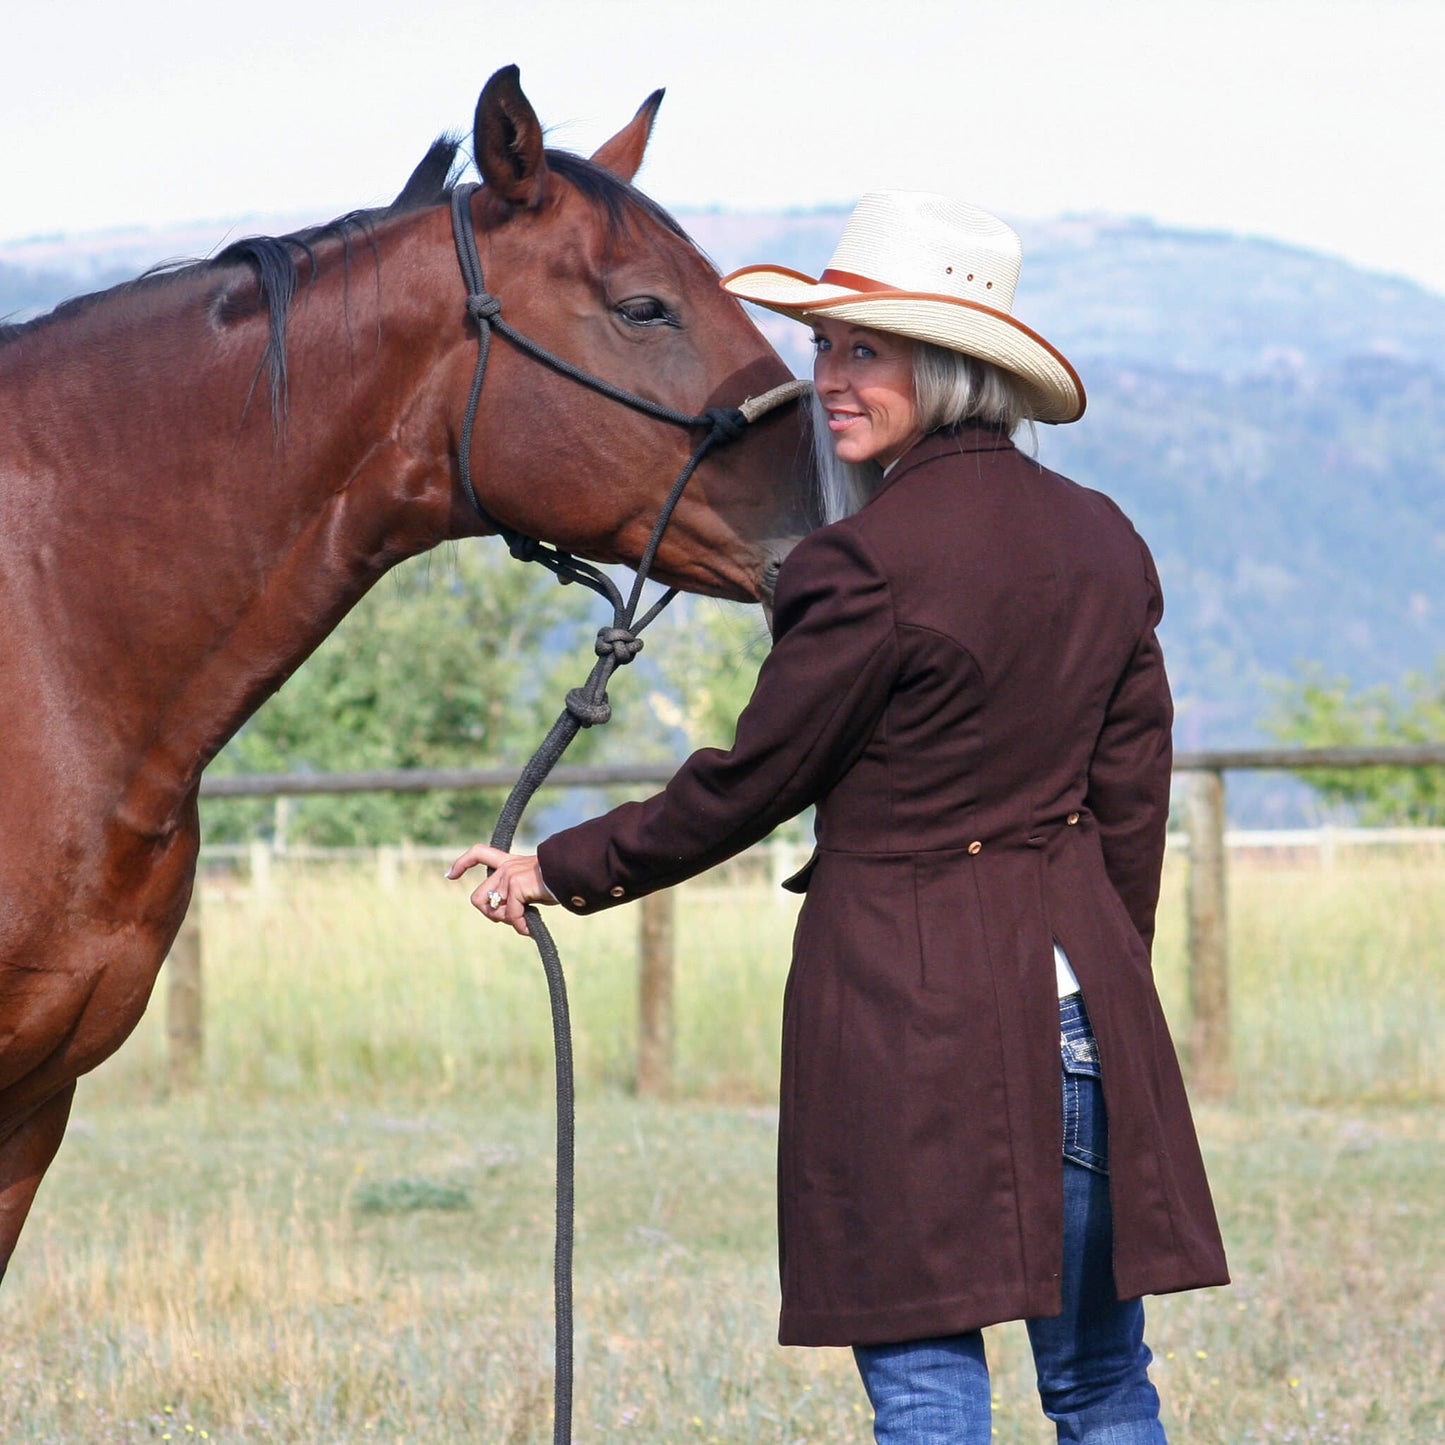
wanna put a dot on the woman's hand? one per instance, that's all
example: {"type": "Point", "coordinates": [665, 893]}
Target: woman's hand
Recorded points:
{"type": "Point", "coordinates": [515, 881]}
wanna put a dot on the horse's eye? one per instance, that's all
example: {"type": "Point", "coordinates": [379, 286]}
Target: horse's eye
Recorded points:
{"type": "Point", "coordinates": [646, 311]}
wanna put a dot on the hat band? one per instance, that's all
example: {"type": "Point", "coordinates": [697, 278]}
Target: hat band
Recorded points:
{"type": "Point", "coordinates": [853, 281]}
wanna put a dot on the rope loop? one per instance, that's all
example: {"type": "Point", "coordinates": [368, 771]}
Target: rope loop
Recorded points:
{"type": "Point", "coordinates": [482, 305]}
{"type": "Point", "coordinates": [728, 423]}
{"type": "Point", "coordinates": [523, 548]}
{"type": "Point", "coordinates": [586, 710]}
{"type": "Point", "coordinates": [617, 643]}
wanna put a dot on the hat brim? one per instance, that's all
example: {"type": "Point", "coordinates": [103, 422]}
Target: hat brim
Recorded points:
{"type": "Point", "coordinates": [1051, 383]}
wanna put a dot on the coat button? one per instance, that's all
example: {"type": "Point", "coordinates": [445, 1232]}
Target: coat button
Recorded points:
{"type": "Point", "coordinates": [975, 847]}
{"type": "Point", "coordinates": [578, 901]}
{"type": "Point", "coordinates": [618, 891]}
{"type": "Point", "coordinates": [1072, 819]}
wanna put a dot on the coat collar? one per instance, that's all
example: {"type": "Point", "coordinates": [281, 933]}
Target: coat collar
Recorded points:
{"type": "Point", "coordinates": [948, 441]}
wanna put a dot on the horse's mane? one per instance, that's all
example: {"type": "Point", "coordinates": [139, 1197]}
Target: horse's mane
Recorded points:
{"type": "Point", "coordinates": [275, 261]}
{"type": "Point", "coordinates": [609, 192]}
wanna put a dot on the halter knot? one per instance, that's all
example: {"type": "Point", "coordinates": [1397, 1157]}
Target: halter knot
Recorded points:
{"type": "Point", "coordinates": [618, 643]}
{"type": "Point", "coordinates": [728, 423]}
{"type": "Point", "coordinates": [483, 306]}
{"type": "Point", "coordinates": [523, 548]}
{"type": "Point", "coordinates": [586, 710]}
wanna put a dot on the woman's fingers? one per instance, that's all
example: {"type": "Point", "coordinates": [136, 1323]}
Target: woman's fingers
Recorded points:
{"type": "Point", "coordinates": [492, 900]}
{"type": "Point", "coordinates": [514, 911]}
{"type": "Point", "coordinates": [477, 853]}
{"type": "Point", "coordinates": [515, 881]}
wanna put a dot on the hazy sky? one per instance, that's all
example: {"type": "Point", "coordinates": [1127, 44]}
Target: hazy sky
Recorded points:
{"type": "Point", "coordinates": [1315, 121]}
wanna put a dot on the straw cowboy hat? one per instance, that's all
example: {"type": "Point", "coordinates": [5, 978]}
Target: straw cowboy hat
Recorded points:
{"type": "Point", "coordinates": [934, 269]}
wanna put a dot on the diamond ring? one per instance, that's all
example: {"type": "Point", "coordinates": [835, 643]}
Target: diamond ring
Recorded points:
{"type": "Point", "coordinates": [494, 900]}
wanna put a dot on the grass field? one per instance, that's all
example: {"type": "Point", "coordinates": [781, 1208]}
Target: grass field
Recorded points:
{"type": "Point", "coordinates": [345, 1234]}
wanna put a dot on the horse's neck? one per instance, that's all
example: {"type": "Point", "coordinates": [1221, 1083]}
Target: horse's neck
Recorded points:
{"type": "Point", "coordinates": [194, 554]}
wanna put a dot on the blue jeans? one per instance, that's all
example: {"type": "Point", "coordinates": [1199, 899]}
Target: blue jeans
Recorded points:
{"type": "Point", "coordinates": [1091, 1358]}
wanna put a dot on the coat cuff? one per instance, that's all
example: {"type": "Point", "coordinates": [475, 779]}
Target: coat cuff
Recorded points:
{"type": "Point", "coordinates": [565, 882]}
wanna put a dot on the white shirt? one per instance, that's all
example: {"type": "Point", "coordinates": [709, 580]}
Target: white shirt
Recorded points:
{"type": "Point", "coordinates": [1067, 982]}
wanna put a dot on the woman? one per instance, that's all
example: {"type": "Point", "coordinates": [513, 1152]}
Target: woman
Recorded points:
{"type": "Point", "coordinates": [965, 680]}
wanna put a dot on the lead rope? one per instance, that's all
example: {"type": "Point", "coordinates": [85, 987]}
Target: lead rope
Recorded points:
{"type": "Point", "coordinates": [586, 706]}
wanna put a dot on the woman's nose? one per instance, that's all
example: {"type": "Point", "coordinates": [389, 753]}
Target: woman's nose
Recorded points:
{"type": "Point", "coordinates": [827, 374]}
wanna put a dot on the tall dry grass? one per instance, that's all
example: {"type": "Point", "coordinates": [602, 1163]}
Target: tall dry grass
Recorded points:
{"type": "Point", "coordinates": [332, 985]}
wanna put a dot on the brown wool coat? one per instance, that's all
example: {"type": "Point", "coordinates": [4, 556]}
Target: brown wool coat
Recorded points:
{"type": "Point", "coordinates": [965, 680]}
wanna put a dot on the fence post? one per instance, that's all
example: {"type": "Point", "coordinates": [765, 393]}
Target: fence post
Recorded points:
{"type": "Point", "coordinates": [185, 1028]}
{"type": "Point", "coordinates": [260, 859]}
{"type": "Point", "coordinates": [655, 979]}
{"type": "Point", "coordinates": [783, 858]}
{"type": "Point", "coordinates": [388, 868]}
{"type": "Point", "coordinates": [1209, 1047]}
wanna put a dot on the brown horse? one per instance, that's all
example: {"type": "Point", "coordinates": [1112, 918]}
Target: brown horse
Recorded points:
{"type": "Point", "coordinates": [171, 547]}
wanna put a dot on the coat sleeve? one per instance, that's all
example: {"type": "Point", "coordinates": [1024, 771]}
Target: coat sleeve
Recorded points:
{"type": "Point", "coordinates": [1129, 773]}
{"type": "Point", "coordinates": [818, 699]}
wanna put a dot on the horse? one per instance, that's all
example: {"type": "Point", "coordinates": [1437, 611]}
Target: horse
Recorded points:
{"type": "Point", "coordinates": [203, 469]}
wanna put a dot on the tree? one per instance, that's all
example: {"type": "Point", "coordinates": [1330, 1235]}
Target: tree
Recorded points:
{"type": "Point", "coordinates": [708, 664]}
{"type": "Point", "coordinates": [1320, 711]}
{"type": "Point", "coordinates": [462, 659]}
{"type": "Point", "coordinates": [455, 659]}
{"type": "Point", "coordinates": [708, 661]}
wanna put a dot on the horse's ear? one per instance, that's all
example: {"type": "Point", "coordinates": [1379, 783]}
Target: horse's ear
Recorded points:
{"type": "Point", "coordinates": [507, 141]}
{"type": "Point", "coordinates": [622, 155]}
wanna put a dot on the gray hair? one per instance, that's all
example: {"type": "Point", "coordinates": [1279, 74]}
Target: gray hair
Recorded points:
{"type": "Point", "coordinates": [948, 388]}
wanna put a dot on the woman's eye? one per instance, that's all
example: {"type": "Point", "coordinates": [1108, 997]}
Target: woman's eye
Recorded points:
{"type": "Point", "coordinates": [820, 343]}
{"type": "Point", "coordinates": [863, 353]}
{"type": "Point", "coordinates": [646, 311]}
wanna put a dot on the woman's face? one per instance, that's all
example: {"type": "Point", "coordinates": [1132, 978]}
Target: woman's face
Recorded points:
{"type": "Point", "coordinates": [864, 379]}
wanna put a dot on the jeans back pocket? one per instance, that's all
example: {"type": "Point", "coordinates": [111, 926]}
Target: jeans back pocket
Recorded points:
{"type": "Point", "coordinates": [1086, 1126]}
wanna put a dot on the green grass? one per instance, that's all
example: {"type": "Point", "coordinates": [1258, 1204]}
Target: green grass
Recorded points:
{"type": "Point", "coordinates": [345, 1234]}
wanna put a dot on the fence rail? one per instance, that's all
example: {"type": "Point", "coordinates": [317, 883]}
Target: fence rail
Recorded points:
{"type": "Point", "coordinates": [1208, 846]}
{"type": "Point", "coordinates": [425, 780]}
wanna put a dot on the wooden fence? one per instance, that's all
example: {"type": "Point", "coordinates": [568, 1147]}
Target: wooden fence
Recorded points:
{"type": "Point", "coordinates": [1202, 773]}
{"type": "Point", "coordinates": [1211, 1072]}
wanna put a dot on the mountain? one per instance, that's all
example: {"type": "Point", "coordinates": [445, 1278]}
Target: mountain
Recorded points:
{"type": "Point", "coordinates": [1272, 419]}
